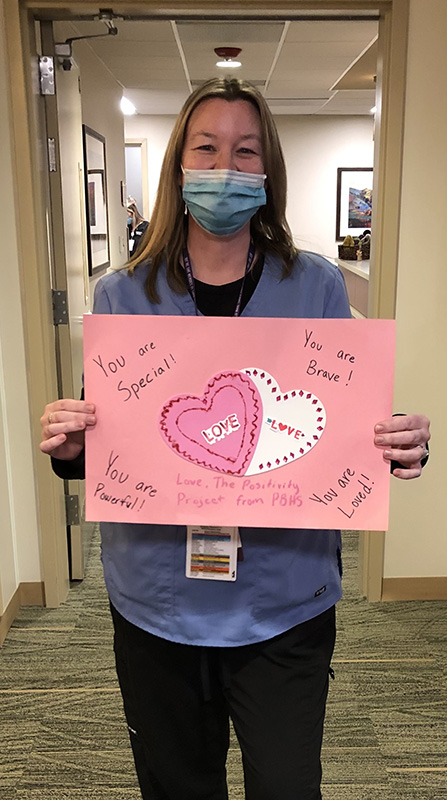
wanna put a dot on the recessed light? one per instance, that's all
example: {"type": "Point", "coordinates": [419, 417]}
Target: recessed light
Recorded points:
{"type": "Point", "coordinates": [228, 63]}
{"type": "Point", "coordinates": [127, 107]}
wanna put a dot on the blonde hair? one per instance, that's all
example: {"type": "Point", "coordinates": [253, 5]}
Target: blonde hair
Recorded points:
{"type": "Point", "coordinates": [165, 237]}
{"type": "Point", "coordinates": [133, 209]}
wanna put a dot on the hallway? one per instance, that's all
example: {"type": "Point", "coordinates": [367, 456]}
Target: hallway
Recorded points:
{"type": "Point", "coordinates": [63, 736]}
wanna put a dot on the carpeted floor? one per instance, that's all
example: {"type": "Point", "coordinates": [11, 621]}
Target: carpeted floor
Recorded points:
{"type": "Point", "coordinates": [63, 736]}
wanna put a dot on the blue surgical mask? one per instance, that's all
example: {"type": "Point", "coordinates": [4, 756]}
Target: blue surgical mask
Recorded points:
{"type": "Point", "coordinates": [223, 200]}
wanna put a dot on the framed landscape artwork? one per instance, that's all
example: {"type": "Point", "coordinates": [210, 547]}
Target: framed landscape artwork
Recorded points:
{"type": "Point", "coordinates": [354, 201]}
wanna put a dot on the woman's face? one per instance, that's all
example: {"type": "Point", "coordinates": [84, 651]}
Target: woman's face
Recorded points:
{"type": "Point", "coordinates": [224, 135]}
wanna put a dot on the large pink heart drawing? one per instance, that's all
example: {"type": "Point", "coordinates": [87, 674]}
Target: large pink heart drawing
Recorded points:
{"type": "Point", "coordinates": [219, 430]}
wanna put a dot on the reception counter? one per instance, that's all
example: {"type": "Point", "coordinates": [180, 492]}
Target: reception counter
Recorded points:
{"type": "Point", "coordinates": [356, 275]}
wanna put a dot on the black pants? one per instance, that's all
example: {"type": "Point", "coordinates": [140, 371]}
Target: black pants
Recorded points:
{"type": "Point", "coordinates": [178, 700]}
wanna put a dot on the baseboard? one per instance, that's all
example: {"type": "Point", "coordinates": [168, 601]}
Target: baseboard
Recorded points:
{"type": "Point", "coordinates": [26, 594]}
{"type": "Point", "coordinates": [32, 594]}
{"type": "Point", "coordinates": [431, 588]}
{"type": "Point", "coordinates": [9, 615]}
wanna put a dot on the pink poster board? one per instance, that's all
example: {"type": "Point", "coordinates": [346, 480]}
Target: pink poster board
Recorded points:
{"type": "Point", "coordinates": [237, 421]}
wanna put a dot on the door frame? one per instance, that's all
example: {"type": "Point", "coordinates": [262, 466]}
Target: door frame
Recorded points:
{"type": "Point", "coordinates": [142, 145]}
{"type": "Point", "coordinates": [68, 266]}
{"type": "Point", "coordinates": [34, 248]}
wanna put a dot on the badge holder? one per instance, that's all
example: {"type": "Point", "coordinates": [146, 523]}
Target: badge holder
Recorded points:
{"type": "Point", "coordinates": [212, 552]}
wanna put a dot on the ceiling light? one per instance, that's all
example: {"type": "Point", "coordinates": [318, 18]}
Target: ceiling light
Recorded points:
{"type": "Point", "coordinates": [127, 107]}
{"type": "Point", "coordinates": [228, 63]}
{"type": "Point", "coordinates": [227, 54]}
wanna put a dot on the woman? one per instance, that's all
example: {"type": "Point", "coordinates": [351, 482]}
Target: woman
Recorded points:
{"type": "Point", "coordinates": [136, 226]}
{"type": "Point", "coordinates": [191, 653]}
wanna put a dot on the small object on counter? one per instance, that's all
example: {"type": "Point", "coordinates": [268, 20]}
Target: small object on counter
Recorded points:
{"type": "Point", "coordinates": [366, 245]}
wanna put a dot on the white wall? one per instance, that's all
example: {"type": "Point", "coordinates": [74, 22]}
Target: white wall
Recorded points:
{"type": "Point", "coordinates": [19, 548]}
{"type": "Point", "coordinates": [416, 544]}
{"type": "Point", "coordinates": [313, 148]}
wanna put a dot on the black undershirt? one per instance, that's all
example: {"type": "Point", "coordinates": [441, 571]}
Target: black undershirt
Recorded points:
{"type": "Point", "coordinates": [221, 301]}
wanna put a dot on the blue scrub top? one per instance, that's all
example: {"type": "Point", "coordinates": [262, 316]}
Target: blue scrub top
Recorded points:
{"type": "Point", "coordinates": [287, 576]}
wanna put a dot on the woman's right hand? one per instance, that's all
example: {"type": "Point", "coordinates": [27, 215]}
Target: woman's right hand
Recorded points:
{"type": "Point", "coordinates": [63, 426]}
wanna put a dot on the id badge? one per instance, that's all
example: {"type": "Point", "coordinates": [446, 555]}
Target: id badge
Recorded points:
{"type": "Point", "coordinates": [211, 552]}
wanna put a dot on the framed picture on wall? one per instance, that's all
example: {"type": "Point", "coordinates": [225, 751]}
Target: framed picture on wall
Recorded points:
{"type": "Point", "coordinates": [95, 176]}
{"type": "Point", "coordinates": [354, 201]}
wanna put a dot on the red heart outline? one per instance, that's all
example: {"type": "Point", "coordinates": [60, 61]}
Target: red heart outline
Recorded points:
{"type": "Point", "coordinates": [184, 445]}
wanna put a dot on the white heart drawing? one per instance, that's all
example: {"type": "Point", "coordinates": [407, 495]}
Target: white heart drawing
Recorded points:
{"type": "Point", "coordinates": [292, 423]}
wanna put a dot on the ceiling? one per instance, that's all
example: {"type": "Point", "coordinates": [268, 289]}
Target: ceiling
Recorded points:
{"type": "Point", "coordinates": [301, 66]}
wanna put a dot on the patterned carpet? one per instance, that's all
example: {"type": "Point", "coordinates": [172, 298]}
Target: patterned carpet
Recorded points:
{"type": "Point", "coordinates": [62, 733]}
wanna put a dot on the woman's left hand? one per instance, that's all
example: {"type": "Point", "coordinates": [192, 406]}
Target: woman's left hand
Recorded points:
{"type": "Point", "coordinates": [405, 440]}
